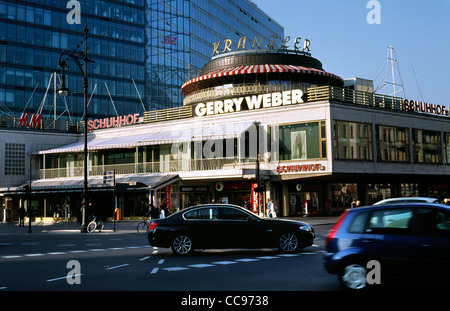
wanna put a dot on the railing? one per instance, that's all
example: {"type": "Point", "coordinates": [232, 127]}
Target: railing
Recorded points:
{"type": "Point", "coordinates": [44, 124]}
{"type": "Point", "coordinates": [149, 167]}
{"type": "Point", "coordinates": [313, 94]}
{"type": "Point", "coordinates": [354, 97]}
{"type": "Point", "coordinates": [167, 114]}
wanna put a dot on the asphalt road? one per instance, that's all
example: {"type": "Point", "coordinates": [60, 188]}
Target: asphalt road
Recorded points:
{"type": "Point", "coordinates": [57, 265]}
{"type": "Point", "coordinates": [124, 261]}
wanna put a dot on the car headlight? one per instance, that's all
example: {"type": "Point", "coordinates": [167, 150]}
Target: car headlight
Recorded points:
{"type": "Point", "coordinates": [306, 228]}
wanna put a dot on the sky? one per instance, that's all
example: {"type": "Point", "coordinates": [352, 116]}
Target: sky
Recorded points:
{"type": "Point", "coordinates": [349, 46]}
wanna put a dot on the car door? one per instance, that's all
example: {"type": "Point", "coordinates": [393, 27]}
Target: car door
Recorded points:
{"type": "Point", "coordinates": [389, 238]}
{"type": "Point", "coordinates": [204, 226]}
{"type": "Point", "coordinates": [433, 227]}
{"type": "Point", "coordinates": [240, 228]}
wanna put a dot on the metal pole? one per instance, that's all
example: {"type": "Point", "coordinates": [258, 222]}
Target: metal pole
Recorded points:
{"type": "Point", "coordinates": [29, 202]}
{"type": "Point", "coordinates": [85, 183]}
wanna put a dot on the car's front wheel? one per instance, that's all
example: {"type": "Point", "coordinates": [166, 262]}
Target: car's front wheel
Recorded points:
{"type": "Point", "coordinates": [182, 245]}
{"type": "Point", "coordinates": [353, 276]}
{"type": "Point", "coordinates": [288, 242]}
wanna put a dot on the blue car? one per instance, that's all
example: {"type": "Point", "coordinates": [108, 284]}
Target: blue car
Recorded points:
{"type": "Point", "coordinates": [375, 244]}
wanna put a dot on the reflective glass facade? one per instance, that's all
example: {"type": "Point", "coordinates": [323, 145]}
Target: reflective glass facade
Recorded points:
{"type": "Point", "coordinates": [181, 34]}
{"type": "Point", "coordinates": [32, 36]}
{"type": "Point", "coordinates": [144, 50]}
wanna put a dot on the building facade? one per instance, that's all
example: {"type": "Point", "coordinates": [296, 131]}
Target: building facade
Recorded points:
{"type": "Point", "coordinates": [143, 51]}
{"type": "Point", "coordinates": [267, 117]}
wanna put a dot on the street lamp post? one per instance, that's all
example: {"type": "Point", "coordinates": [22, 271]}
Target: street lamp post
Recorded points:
{"type": "Point", "coordinates": [81, 59]}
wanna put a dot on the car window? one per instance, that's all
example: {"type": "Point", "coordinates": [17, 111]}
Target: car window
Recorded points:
{"type": "Point", "coordinates": [358, 224]}
{"type": "Point", "coordinates": [390, 221]}
{"type": "Point", "coordinates": [233, 214]}
{"type": "Point", "coordinates": [433, 222]}
{"type": "Point", "coordinates": [202, 213]}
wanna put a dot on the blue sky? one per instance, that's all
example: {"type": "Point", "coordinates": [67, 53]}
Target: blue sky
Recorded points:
{"type": "Point", "coordinates": [348, 46]}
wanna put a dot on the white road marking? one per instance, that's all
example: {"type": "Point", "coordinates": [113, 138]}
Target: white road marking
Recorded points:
{"type": "Point", "coordinates": [201, 265]}
{"type": "Point", "coordinates": [154, 270]}
{"type": "Point", "coordinates": [176, 268]}
{"type": "Point", "coordinates": [64, 277]}
{"type": "Point", "coordinates": [224, 262]}
{"type": "Point", "coordinates": [267, 257]}
{"type": "Point", "coordinates": [119, 266]}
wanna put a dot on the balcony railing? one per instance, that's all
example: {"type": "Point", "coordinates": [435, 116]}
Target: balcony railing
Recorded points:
{"type": "Point", "coordinates": [313, 94]}
{"type": "Point", "coordinates": [149, 167]}
{"type": "Point", "coordinates": [354, 97]}
{"type": "Point", "coordinates": [45, 124]}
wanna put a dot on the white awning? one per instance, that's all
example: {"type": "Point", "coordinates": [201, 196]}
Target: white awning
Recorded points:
{"type": "Point", "coordinates": [151, 181]}
{"type": "Point", "coordinates": [220, 131]}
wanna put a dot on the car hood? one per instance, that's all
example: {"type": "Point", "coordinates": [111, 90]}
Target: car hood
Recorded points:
{"type": "Point", "coordinates": [287, 221]}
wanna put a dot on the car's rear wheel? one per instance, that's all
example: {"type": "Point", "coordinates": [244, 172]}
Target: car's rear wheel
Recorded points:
{"type": "Point", "coordinates": [182, 245]}
{"type": "Point", "coordinates": [353, 276]}
{"type": "Point", "coordinates": [288, 242]}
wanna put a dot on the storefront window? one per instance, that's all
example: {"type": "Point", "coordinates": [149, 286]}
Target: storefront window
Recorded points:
{"type": "Point", "coordinates": [300, 141]}
{"type": "Point", "coordinates": [427, 146]}
{"type": "Point", "coordinates": [393, 144]}
{"type": "Point", "coordinates": [352, 141]}
{"type": "Point", "coordinates": [342, 196]}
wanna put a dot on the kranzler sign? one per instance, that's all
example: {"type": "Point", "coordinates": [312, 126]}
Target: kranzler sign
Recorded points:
{"type": "Point", "coordinates": [253, 102]}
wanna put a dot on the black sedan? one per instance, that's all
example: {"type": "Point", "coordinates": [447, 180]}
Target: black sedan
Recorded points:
{"type": "Point", "coordinates": [226, 226]}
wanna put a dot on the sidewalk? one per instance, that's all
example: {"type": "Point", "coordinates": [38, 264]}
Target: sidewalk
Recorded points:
{"type": "Point", "coordinates": [124, 226]}
{"type": "Point", "coordinates": [62, 227]}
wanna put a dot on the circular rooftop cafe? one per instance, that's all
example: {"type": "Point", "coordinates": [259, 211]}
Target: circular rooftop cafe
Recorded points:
{"type": "Point", "coordinates": [257, 71]}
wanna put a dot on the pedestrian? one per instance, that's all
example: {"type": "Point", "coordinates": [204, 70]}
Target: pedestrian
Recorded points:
{"type": "Point", "coordinates": [354, 203]}
{"type": "Point", "coordinates": [269, 208]}
{"type": "Point", "coordinates": [154, 212]}
{"type": "Point", "coordinates": [21, 216]}
{"type": "Point", "coordinates": [246, 205]}
{"type": "Point", "coordinates": [274, 214]}
{"type": "Point", "coordinates": [164, 210]}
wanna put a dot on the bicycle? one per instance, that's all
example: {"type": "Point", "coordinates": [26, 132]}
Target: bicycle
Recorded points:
{"type": "Point", "coordinates": [143, 227]}
{"type": "Point", "coordinates": [95, 224]}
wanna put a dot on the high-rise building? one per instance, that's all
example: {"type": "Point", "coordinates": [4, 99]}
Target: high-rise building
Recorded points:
{"type": "Point", "coordinates": [144, 50]}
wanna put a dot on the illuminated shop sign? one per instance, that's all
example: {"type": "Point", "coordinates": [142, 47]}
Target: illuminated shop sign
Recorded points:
{"type": "Point", "coordinates": [299, 44]}
{"type": "Point", "coordinates": [249, 103]}
{"type": "Point", "coordinates": [413, 105]}
{"type": "Point", "coordinates": [298, 168]}
{"type": "Point", "coordinates": [113, 121]}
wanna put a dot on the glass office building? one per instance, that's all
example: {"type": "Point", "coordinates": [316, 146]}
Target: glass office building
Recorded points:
{"type": "Point", "coordinates": [144, 50]}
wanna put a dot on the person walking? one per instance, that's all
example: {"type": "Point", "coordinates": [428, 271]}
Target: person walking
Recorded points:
{"type": "Point", "coordinates": [269, 208]}
{"type": "Point", "coordinates": [21, 216]}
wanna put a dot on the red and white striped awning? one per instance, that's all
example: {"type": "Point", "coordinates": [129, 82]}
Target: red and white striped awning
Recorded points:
{"type": "Point", "coordinates": [251, 69]}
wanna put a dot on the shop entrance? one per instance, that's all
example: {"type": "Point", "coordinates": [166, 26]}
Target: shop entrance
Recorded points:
{"type": "Point", "coordinates": [303, 203]}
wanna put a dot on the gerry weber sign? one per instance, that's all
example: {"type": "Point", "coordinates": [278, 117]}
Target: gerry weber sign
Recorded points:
{"type": "Point", "coordinates": [249, 103]}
